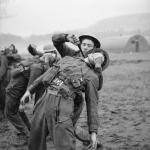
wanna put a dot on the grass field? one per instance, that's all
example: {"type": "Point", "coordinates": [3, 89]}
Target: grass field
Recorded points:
{"type": "Point", "coordinates": [124, 106]}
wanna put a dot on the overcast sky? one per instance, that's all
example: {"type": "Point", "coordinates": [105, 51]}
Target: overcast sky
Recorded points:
{"type": "Point", "coordinates": [25, 17]}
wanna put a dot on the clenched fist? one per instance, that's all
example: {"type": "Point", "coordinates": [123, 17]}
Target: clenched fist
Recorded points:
{"type": "Point", "coordinates": [73, 39]}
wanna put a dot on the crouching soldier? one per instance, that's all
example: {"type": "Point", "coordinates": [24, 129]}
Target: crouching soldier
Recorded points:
{"type": "Point", "coordinates": [54, 111]}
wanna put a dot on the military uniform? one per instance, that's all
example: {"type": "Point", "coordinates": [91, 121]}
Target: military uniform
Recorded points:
{"type": "Point", "coordinates": [15, 90]}
{"type": "Point", "coordinates": [4, 79]}
{"type": "Point", "coordinates": [59, 41]}
{"type": "Point", "coordinates": [35, 71]}
{"type": "Point", "coordinates": [54, 111]}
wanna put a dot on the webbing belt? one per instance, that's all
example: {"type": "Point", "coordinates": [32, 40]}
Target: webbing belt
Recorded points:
{"type": "Point", "coordinates": [61, 92]}
{"type": "Point", "coordinates": [53, 92]}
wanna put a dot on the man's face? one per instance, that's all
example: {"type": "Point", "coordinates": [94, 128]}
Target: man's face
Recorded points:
{"type": "Point", "coordinates": [87, 45]}
{"type": "Point", "coordinates": [8, 51]}
{"type": "Point", "coordinates": [11, 48]}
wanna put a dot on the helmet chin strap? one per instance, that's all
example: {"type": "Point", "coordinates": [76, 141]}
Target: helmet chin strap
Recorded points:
{"type": "Point", "coordinates": [81, 50]}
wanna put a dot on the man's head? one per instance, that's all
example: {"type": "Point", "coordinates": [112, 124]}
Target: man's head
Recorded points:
{"type": "Point", "coordinates": [50, 54]}
{"type": "Point", "coordinates": [12, 46]}
{"type": "Point", "coordinates": [12, 49]}
{"type": "Point", "coordinates": [50, 57]}
{"type": "Point", "coordinates": [88, 43]}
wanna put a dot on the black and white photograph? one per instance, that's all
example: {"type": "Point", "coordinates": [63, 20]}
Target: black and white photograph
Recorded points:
{"type": "Point", "coordinates": [74, 75]}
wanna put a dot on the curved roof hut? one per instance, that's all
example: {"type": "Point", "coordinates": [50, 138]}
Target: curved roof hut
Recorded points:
{"type": "Point", "coordinates": [137, 43]}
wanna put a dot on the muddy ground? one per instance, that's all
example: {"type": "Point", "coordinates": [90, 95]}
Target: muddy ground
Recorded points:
{"type": "Point", "coordinates": [124, 106]}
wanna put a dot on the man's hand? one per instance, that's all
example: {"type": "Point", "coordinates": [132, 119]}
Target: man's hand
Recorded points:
{"type": "Point", "coordinates": [21, 68]}
{"type": "Point", "coordinates": [93, 144]}
{"type": "Point", "coordinates": [73, 39]}
{"type": "Point", "coordinates": [23, 100]}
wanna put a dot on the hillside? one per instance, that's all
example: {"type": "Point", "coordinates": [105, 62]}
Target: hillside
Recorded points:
{"type": "Point", "coordinates": [111, 27]}
{"type": "Point", "coordinates": [121, 25]}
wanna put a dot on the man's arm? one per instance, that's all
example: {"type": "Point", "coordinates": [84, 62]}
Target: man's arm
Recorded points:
{"type": "Point", "coordinates": [32, 88]}
{"type": "Point", "coordinates": [3, 67]}
{"type": "Point", "coordinates": [59, 42]}
{"type": "Point", "coordinates": [91, 97]}
{"type": "Point", "coordinates": [45, 78]}
{"type": "Point", "coordinates": [36, 70]}
{"type": "Point", "coordinates": [35, 80]}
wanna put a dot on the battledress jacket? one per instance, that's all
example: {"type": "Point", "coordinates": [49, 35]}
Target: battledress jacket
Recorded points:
{"type": "Point", "coordinates": [3, 66]}
{"type": "Point", "coordinates": [20, 80]}
{"type": "Point", "coordinates": [74, 69]}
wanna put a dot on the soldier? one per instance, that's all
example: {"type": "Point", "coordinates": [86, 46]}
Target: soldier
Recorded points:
{"type": "Point", "coordinates": [86, 45]}
{"type": "Point", "coordinates": [21, 77]}
{"type": "Point", "coordinates": [54, 111]}
{"type": "Point", "coordinates": [7, 59]}
{"type": "Point", "coordinates": [49, 57]}
{"type": "Point", "coordinates": [13, 49]}
{"type": "Point", "coordinates": [15, 89]}
{"type": "Point", "coordinates": [3, 82]}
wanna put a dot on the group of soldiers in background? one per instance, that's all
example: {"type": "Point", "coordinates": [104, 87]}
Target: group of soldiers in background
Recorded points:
{"type": "Point", "coordinates": [18, 73]}
{"type": "Point", "coordinates": [8, 58]}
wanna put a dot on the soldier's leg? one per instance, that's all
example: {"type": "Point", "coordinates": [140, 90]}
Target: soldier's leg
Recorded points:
{"type": "Point", "coordinates": [2, 98]}
{"type": "Point", "coordinates": [3, 85]}
{"type": "Point", "coordinates": [11, 112]}
{"type": "Point", "coordinates": [38, 134]}
{"type": "Point", "coordinates": [64, 137]}
{"type": "Point", "coordinates": [39, 129]}
{"type": "Point", "coordinates": [25, 119]}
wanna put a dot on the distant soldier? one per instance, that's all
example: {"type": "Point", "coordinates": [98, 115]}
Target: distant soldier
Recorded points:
{"type": "Point", "coordinates": [136, 42]}
{"type": "Point", "coordinates": [3, 82]}
{"type": "Point", "coordinates": [7, 59]}
{"type": "Point", "coordinates": [13, 48]}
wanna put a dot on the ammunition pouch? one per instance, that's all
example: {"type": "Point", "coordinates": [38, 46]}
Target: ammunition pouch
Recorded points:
{"type": "Point", "coordinates": [77, 82]}
{"type": "Point", "coordinates": [63, 90]}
